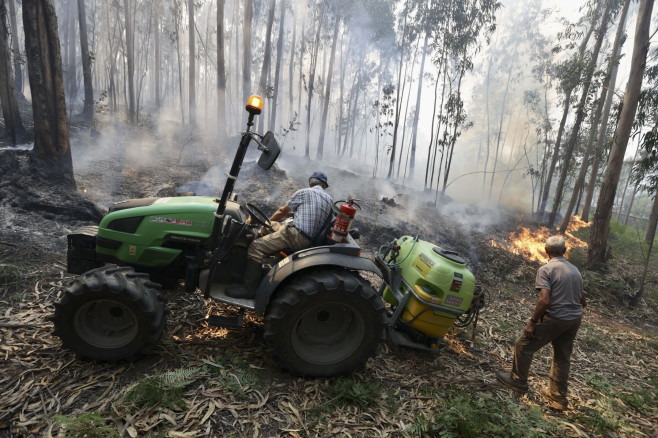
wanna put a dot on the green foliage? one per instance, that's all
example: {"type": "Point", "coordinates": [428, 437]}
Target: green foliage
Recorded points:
{"type": "Point", "coordinates": [642, 399]}
{"type": "Point", "coordinates": [11, 274]}
{"type": "Point", "coordinates": [165, 391]}
{"type": "Point", "coordinates": [599, 383]}
{"type": "Point", "coordinates": [89, 425]}
{"type": "Point", "coordinates": [236, 376]}
{"type": "Point", "coordinates": [598, 421]}
{"type": "Point", "coordinates": [351, 391]}
{"type": "Point", "coordinates": [479, 415]}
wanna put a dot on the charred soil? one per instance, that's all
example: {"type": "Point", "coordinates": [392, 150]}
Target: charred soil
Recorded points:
{"type": "Point", "coordinates": [230, 385]}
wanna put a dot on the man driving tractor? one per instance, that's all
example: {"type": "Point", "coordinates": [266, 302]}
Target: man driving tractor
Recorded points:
{"type": "Point", "coordinates": [311, 208]}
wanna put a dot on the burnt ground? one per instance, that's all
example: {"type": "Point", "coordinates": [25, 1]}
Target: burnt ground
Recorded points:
{"type": "Point", "coordinates": [232, 387]}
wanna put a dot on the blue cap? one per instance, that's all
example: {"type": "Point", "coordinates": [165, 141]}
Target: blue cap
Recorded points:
{"type": "Point", "coordinates": [321, 176]}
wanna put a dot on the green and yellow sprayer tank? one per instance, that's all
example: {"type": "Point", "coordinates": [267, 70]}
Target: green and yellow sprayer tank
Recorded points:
{"type": "Point", "coordinates": [435, 288]}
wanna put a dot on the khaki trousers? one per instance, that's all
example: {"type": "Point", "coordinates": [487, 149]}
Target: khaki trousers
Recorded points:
{"type": "Point", "coordinates": [282, 235]}
{"type": "Point", "coordinates": [561, 334]}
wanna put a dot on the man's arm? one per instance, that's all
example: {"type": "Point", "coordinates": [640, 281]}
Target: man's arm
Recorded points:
{"type": "Point", "coordinates": [280, 213]}
{"type": "Point", "coordinates": [540, 308]}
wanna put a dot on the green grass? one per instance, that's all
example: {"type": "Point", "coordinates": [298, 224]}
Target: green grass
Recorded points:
{"type": "Point", "coordinates": [236, 376]}
{"type": "Point", "coordinates": [165, 391]}
{"type": "Point", "coordinates": [481, 415]}
{"type": "Point", "coordinates": [347, 390]}
{"type": "Point", "coordinates": [12, 274]}
{"type": "Point", "coordinates": [90, 425]}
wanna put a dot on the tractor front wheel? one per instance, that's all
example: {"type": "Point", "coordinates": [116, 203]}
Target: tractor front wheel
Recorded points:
{"type": "Point", "coordinates": [324, 323]}
{"type": "Point", "coordinates": [110, 314]}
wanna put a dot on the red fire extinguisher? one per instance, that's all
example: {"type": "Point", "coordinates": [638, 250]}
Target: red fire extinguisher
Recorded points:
{"type": "Point", "coordinates": [344, 216]}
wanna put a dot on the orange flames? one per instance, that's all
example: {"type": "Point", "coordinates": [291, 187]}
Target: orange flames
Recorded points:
{"type": "Point", "coordinates": [530, 243]}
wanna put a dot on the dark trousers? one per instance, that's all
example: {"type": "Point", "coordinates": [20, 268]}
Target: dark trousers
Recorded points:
{"type": "Point", "coordinates": [561, 334]}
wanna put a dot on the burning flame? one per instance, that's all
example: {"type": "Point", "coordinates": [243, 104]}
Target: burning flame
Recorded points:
{"type": "Point", "coordinates": [530, 243]}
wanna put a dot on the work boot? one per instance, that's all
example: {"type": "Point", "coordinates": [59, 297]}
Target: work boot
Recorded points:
{"type": "Point", "coordinates": [507, 379]}
{"type": "Point", "coordinates": [251, 279]}
{"type": "Point", "coordinates": [553, 402]}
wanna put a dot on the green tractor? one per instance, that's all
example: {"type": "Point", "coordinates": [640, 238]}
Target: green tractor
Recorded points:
{"type": "Point", "coordinates": [321, 317]}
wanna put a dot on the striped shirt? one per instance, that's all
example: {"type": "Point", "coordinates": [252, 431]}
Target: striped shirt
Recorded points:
{"type": "Point", "coordinates": [311, 208]}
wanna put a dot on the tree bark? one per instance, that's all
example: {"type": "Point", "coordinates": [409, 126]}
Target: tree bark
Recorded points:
{"type": "Point", "coordinates": [192, 54]}
{"type": "Point", "coordinates": [600, 146]}
{"type": "Point", "coordinates": [580, 115]}
{"type": "Point", "coordinates": [88, 109]}
{"type": "Point", "coordinates": [156, 60]}
{"type": "Point", "coordinates": [277, 70]}
{"type": "Point", "coordinates": [267, 56]}
{"type": "Point", "coordinates": [412, 157]}
{"type": "Point", "coordinates": [130, 55]}
{"type": "Point", "coordinates": [327, 94]}
{"type": "Point", "coordinates": [52, 152]}
{"type": "Point", "coordinates": [15, 47]}
{"type": "Point", "coordinates": [221, 73]}
{"type": "Point", "coordinates": [8, 101]}
{"type": "Point", "coordinates": [601, 224]}
{"type": "Point", "coordinates": [311, 83]}
{"type": "Point", "coordinates": [246, 52]}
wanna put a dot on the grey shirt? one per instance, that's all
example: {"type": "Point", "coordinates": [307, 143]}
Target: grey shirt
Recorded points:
{"type": "Point", "coordinates": [565, 283]}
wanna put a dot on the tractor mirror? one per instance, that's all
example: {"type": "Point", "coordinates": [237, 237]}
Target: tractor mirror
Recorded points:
{"type": "Point", "coordinates": [271, 151]}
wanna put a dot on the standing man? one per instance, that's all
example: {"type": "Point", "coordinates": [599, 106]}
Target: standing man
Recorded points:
{"type": "Point", "coordinates": [311, 207]}
{"type": "Point", "coordinates": [556, 319]}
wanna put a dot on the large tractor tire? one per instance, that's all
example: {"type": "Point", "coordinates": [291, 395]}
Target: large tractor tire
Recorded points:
{"type": "Point", "coordinates": [324, 323]}
{"type": "Point", "coordinates": [110, 314]}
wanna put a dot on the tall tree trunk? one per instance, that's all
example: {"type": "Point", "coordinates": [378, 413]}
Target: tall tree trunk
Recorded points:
{"type": "Point", "coordinates": [565, 113]}
{"type": "Point", "coordinates": [8, 102]}
{"type": "Point", "coordinates": [653, 220]}
{"type": "Point", "coordinates": [267, 56]}
{"type": "Point", "coordinates": [52, 151]}
{"type": "Point", "coordinates": [15, 47]}
{"type": "Point", "coordinates": [291, 71]}
{"type": "Point", "coordinates": [500, 133]}
{"type": "Point", "coordinates": [630, 204]}
{"type": "Point", "coordinates": [398, 101]}
{"type": "Point", "coordinates": [412, 156]}
{"type": "Point", "coordinates": [88, 109]}
{"type": "Point", "coordinates": [71, 67]}
{"type": "Point", "coordinates": [277, 70]}
{"type": "Point", "coordinates": [580, 115]}
{"type": "Point", "coordinates": [311, 83]}
{"type": "Point", "coordinates": [221, 73]}
{"type": "Point", "coordinates": [327, 94]}
{"type": "Point", "coordinates": [612, 64]}
{"type": "Point", "coordinates": [601, 224]}
{"type": "Point", "coordinates": [600, 146]}
{"type": "Point", "coordinates": [246, 51]}
{"type": "Point", "coordinates": [156, 61]}
{"type": "Point", "coordinates": [130, 55]}
{"type": "Point", "coordinates": [192, 53]}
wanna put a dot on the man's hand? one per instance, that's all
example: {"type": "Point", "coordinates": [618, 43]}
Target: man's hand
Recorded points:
{"type": "Point", "coordinates": [529, 330]}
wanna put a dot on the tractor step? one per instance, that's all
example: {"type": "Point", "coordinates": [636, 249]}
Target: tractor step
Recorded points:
{"type": "Point", "coordinates": [226, 321]}
{"type": "Point", "coordinates": [403, 339]}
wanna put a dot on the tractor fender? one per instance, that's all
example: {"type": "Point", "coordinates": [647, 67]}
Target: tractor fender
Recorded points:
{"type": "Point", "coordinates": [305, 260]}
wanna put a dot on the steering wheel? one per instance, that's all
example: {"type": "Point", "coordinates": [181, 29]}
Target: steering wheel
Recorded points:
{"type": "Point", "coordinates": [258, 215]}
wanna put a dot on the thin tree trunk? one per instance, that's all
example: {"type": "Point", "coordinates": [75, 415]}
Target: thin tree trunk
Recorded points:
{"type": "Point", "coordinates": [18, 67]}
{"type": "Point", "coordinates": [192, 55]}
{"type": "Point", "coordinates": [500, 132]}
{"type": "Point", "coordinates": [88, 109]}
{"type": "Point", "coordinates": [314, 60]}
{"type": "Point", "coordinates": [246, 49]}
{"type": "Point", "coordinates": [267, 56]}
{"type": "Point", "coordinates": [327, 94]}
{"type": "Point", "coordinates": [156, 61]}
{"type": "Point", "coordinates": [130, 55]}
{"type": "Point", "coordinates": [291, 70]}
{"type": "Point", "coordinates": [614, 62]}
{"type": "Point", "coordinates": [601, 224]}
{"type": "Point", "coordinates": [398, 103]}
{"type": "Point", "coordinates": [8, 102]}
{"type": "Point", "coordinates": [277, 69]}
{"type": "Point", "coordinates": [580, 115]}
{"type": "Point", "coordinates": [221, 73]}
{"type": "Point", "coordinates": [412, 155]}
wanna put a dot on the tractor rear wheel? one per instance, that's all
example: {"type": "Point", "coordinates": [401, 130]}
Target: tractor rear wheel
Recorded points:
{"type": "Point", "coordinates": [324, 323]}
{"type": "Point", "coordinates": [109, 314]}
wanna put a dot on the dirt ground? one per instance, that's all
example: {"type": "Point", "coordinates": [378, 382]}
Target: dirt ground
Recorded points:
{"type": "Point", "coordinates": [232, 386]}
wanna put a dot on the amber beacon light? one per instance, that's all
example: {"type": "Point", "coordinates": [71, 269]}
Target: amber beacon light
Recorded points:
{"type": "Point", "coordinates": [254, 104]}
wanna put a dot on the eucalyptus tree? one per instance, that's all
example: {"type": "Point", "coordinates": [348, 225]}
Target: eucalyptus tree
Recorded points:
{"type": "Point", "coordinates": [581, 111]}
{"type": "Point", "coordinates": [129, 16]}
{"type": "Point", "coordinates": [87, 60]}
{"type": "Point", "coordinates": [221, 72]}
{"type": "Point", "coordinates": [8, 101]}
{"type": "Point", "coordinates": [314, 50]}
{"type": "Point", "coordinates": [594, 128]}
{"type": "Point", "coordinates": [15, 47]}
{"type": "Point", "coordinates": [601, 224]}
{"type": "Point", "coordinates": [52, 151]}
{"type": "Point", "coordinates": [192, 61]}
{"type": "Point", "coordinates": [568, 74]}
{"type": "Point", "coordinates": [277, 68]}
{"type": "Point", "coordinates": [246, 48]}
